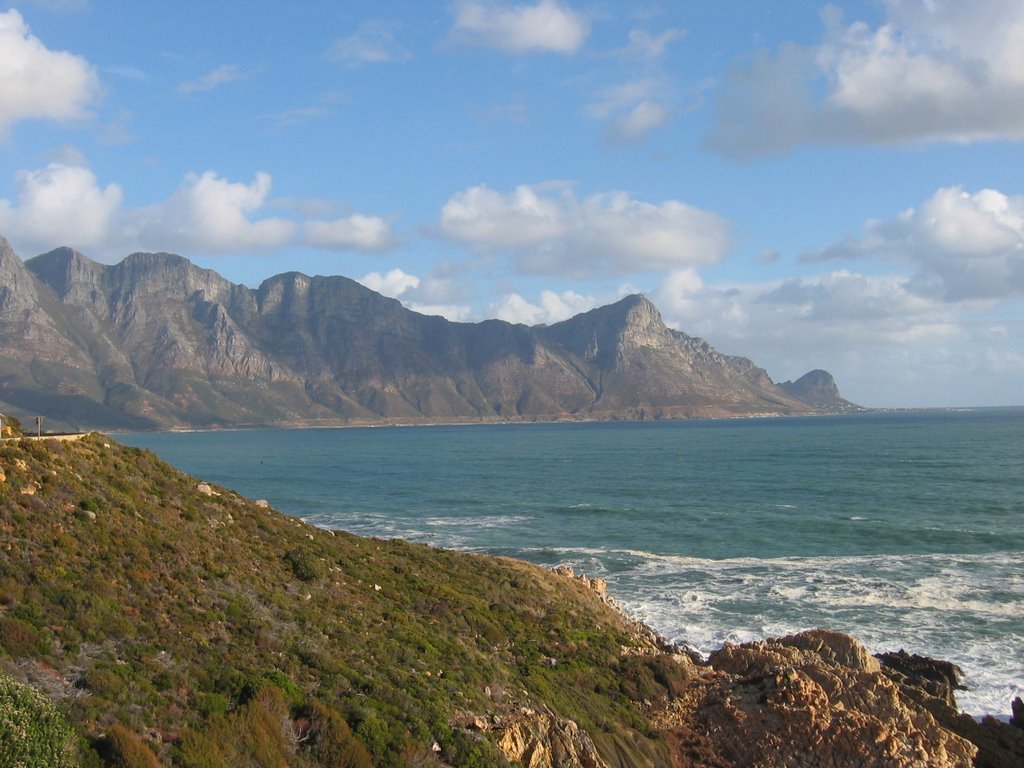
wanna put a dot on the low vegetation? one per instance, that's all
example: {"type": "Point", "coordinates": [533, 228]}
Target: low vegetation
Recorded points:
{"type": "Point", "coordinates": [162, 621]}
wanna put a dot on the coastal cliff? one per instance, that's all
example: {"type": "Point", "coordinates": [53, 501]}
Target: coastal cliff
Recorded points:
{"type": "Point", "coordinates": [161, 620]}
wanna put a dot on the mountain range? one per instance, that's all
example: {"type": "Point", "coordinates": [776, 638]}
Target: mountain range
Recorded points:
{"type": "Point", "coordinates": [156, 342]}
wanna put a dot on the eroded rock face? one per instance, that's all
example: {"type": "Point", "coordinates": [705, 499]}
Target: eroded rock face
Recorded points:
{"type": "Point", "coordinates": [932, 684]}
{"type": "Point", "coordinates": [540, 739]}
{"type": "Point", "coordinates": [813, 699]}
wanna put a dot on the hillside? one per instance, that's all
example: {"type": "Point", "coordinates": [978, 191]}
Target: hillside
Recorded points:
{"type": "Point", "coordinates": [171, 622]}
{"type": "Point", "coordinates": [157, 342]}
{"type": "Point", "coordinates": [819, 389]}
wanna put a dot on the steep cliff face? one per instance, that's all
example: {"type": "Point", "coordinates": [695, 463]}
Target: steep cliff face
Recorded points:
{"type": "Point", "coordinates": [635, 364]}
{"type": "Point", "coordinates": [156, 341]}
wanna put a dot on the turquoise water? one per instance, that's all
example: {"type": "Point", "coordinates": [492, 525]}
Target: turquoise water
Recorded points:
{"type": "Point", "coordinates": [904, 529]}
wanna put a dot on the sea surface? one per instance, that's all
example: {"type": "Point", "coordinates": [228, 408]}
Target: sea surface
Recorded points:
{"type": "Point", "coordinates": [904, 529]}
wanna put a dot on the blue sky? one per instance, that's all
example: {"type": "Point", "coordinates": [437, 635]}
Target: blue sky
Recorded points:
{"type": "Point", "coordinates": [807, 185]}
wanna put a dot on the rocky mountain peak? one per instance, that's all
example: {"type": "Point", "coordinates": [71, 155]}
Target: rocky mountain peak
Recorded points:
{"type": "Point", "coordinates": [818, 388]}
{"type": "Point", "coordinates": [17, 289]}
{"type": "Point", "coordinates": [71, 274]}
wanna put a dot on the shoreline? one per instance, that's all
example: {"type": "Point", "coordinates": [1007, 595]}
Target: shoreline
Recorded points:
{"type": "Point", "coordinates": [401, 424]}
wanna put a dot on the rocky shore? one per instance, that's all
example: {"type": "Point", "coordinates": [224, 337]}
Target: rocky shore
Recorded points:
{"type": "Point", "coordinates": [816, 698]}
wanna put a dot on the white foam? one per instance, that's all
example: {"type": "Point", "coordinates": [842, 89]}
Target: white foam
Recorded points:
{"type": "Point", "coordinates": [957, 608]}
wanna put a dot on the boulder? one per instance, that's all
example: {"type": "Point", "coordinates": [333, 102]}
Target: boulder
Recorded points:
{"type": "Point", "coordinates": [543, 740]}
{"type": "Point", "coordinates": [816, 698]}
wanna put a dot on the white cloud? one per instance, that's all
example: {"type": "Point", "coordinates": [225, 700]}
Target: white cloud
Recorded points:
{"type": "Point", "coordinates": [965, 246]}
{"type": "Point", "coordinates": [226, 73]}
{"type": "Point", "coordinates": [457, 313]}
{"type": "Point", "coordinates": [61, 204]}
{"type": "Point", "coordinates": [639, 121]}
{"type": "Point", "coordinates": [552, 307]}
{"type": "Point", "coordinates": [547, 230]}
{"type": "Point", "coordinates": [37, 82]}
{"type": "Point", "coordinates": [210, 214]}
{"type": "Point", "coordinates": [64, 204]}
{"type": "Point", "coordinates": [885, 344]}
{"type": "Point", "coordinates": [482, 217]}
{"type": "Point", "coordinates": [931, 72]}
{"type": "Point", "coordinates": [844, 296]}
{"type": "Point", "coordinates": [546, 26]}
{"type": "Point", "coordinates": [631, 110]}
{"type": "Point", "coordinates": [393, 283]}
{"type": "Point", "coordinates": [373, 42]}
{"type": "Point", "coordinates": [357, 232]}
{"type": "Point", "coordinates": [645, 46]}
{"type": "Point", "coordinates": [436, 294]}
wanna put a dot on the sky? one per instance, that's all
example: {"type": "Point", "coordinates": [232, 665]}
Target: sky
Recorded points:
{"type": "Point", "coordinates": [809, 185]}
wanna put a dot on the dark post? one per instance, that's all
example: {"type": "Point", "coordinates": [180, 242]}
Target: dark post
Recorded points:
{"type": "Point", "coordinates": [39, 426]}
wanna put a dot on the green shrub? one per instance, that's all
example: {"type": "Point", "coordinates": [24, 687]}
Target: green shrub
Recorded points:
{"type": "Point", "coordinates": [304, 564]}
{"type": "Point", "coordinates": [32, 731]}
{"type": "Point", "coordinates": [253, 735]}
{"type": "Point", "coordinates": [123, 749]}
{"type": "Point", "coordinates": [104, 682]}
{"type": "Point", "coordinates": [18, 637]}
{"type": "Point", "coordinates": [89, 505]}
{"type": "Point", "coordinates": [210, 704]}
{"type": "Point", "coordinates": [331, 741]}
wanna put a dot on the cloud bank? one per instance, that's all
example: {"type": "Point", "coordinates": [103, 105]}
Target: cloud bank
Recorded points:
{"type": "Point", "coordinates": [963, 245]}
{"type": "Point", "coordinates": [950, 72]}
{"type": "Point", "coordinates": [64, 204]}
{"type": "Point", "coordinates": [546, 230]}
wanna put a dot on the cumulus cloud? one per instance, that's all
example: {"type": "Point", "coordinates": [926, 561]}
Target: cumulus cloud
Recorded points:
{"type": "Point", "coordinates": [393, 283]}
{"type": "Point", "coordinates": [374, 42]}
{"type": "Point", "coordinates": [61, 204]}
{"type": "Point", "coordinates": [930, 72]}
{"type": "Point", "coordinates": [485, 218]}
{"type": "Point", "coordinates": [38, 82]}
{"type": "Point", "coordinates": [354, 232]}
{"type": "Point", "coordinates": [226, 73]}
{"type": "Point", "coordinates": [436, 294]}
{"type": "Point", "coordinates": [64, 204]}
{"type": "Point", "coordinates": [211, 214]}
{"type": "Point", "coordinates": [552, 307]}
{"type": "Point", "coordinates": [964, 245]}
{"type": "Point", "coordinates": [546, 26]}
{"type": "Point", "coordinates": [547, 230]}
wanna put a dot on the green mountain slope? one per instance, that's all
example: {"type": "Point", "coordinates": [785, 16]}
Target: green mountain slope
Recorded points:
{"type": "Point", "coordinates": [136, 596]}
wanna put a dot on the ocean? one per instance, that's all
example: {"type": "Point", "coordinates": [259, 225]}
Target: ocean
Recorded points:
{"type": "Point", "coordinates": [904, 529]}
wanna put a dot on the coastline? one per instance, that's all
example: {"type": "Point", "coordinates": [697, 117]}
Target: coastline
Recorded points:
{"type": "Point", "coordinates": [483, 655]}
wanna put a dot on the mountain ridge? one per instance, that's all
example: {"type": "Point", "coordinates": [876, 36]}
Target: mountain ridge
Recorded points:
{"type": "Point", "coordinates": [156, 342]}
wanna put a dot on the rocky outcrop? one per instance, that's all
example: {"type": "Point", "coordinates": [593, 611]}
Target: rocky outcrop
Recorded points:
{"type": "Point", "coordinates": [932, 685]}
{"type": "Point", "coordinates": [819, 389]}
{"type": "Point", "coordinates": [158, 342]}
{"type": "Point", "coordinates": [813, 699]}
{"type": "Point", "coordinates": [541, 739]}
